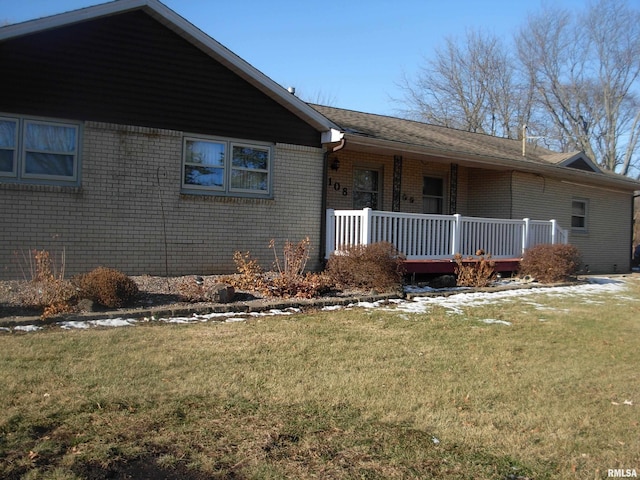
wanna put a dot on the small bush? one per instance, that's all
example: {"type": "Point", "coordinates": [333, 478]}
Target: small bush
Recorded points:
{"type": "Point", "coordinates": [108, 287]}
{"type": "Point", "coordinates": [288, 278]}
{"type": "Point", "coordinates": [309, 285]}
{"type": "Point", "coordinates": [474, 272]}
{"type": "Point", "coordinates": [378, 266]}
{"type": "Point", "coordinates": [46, 290]}
{"type": "Point", "coordinates": [550, 263]}
{"type": "Point", "coordinates": [250, 274]}
{"type": "Point", "coordinates": [52, 296]}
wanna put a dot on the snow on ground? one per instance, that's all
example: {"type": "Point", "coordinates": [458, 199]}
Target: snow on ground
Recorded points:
{"type": "Point", "coordinates": [455, 301]}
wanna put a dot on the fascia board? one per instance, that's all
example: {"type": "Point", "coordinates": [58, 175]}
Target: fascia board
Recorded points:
{"type": "Point", "coordinates": [69, 18]}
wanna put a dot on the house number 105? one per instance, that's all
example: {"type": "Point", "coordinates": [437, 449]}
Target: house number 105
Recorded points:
{"type": "Point", "coordinates": [336, 187]}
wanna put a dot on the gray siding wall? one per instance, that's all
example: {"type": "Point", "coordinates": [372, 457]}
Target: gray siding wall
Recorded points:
{"type": "Point", "coordinates": [115, 218]}
{"type": "Point", "coordinates": [606, 244]}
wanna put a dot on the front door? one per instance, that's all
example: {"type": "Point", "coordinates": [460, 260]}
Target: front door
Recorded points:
{"type": "Point", "coordinates": [366, 189]}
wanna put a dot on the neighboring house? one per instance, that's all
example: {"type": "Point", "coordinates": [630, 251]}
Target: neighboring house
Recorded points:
{"type": "Point", "coordinates": [131, 139]}
{"type": "Point", "coordinates": [397, 165]}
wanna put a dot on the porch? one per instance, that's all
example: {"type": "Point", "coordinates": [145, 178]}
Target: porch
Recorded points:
{"type": "Point", "coordinates": [430, 242]}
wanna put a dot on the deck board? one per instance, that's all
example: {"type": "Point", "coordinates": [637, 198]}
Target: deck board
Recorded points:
{"type": "Point", "coordinates": [447, 266]}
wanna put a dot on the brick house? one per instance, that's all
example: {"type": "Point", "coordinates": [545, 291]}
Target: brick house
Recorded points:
{"type": "Point", "coordinates": [126, 132]}
{"type": "Point", "coordinates": [131, 139]}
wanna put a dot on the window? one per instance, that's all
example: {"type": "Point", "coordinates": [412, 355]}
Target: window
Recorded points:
{"type": "Point", "coordinates": [8, 146]}
{"type": "Point", "coordinates": [38, 151]}
{"type": "Point", "coordinates": [226, 167]}
{"type": "Point", "coordinates": [366, 189]}
{"type": "Point", "coordinates": [579, 214]}
{"type": "Point", "coordinates": [432, 195]}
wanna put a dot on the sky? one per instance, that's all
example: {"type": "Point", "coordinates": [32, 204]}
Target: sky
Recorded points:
{"type": "Point", "coordinates": [352, 55]}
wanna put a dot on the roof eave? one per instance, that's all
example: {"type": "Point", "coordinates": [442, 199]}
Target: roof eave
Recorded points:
{"type": "Point", "coordinates": [595, 178]}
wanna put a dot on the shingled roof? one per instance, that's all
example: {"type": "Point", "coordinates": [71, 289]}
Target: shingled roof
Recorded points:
{"type": "Point", "coordinates": [409, 132]}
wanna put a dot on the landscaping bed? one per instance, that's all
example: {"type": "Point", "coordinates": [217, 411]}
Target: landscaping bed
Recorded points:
{"type": "Point", "coordinates": [161, 297]}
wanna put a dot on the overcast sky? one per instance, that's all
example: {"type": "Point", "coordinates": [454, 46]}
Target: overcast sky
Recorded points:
{"type": "Point", "coordinates": [349, 55]}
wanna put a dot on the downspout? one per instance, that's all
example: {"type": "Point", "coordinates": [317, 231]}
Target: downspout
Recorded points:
{"type": "Point", "coordinates": [323, 202]}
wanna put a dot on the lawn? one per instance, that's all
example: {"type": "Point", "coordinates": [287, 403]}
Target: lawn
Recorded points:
{"type": "Point", "coordinates": [550, 390]}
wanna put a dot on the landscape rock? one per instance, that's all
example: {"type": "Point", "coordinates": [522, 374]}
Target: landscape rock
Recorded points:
{"type": "Point", "coordinates": [443, 281]}
{"type": "Point", "coordinates": [221, 293]}
{"type": "Point", "coordinates": [87, 305]}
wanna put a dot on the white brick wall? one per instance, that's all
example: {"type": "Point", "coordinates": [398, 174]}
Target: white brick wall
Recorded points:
{"type": "Point", "coordinates": [114, 218]}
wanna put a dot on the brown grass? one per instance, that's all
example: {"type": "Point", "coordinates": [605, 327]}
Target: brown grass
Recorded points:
{"type": "Point", "coordinates": [342, 394]}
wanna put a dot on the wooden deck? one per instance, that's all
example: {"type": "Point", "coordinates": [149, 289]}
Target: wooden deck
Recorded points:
{"type": "Point", "coordinates": [443, 267]}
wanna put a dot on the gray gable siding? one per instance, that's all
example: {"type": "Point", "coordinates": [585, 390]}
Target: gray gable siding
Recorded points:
{"type": "Point", "coordinates": [130, 69]}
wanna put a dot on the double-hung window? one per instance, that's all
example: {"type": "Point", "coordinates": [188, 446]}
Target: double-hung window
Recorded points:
{"type": "Point", "coordinates": [579, 211]}
{"type": "Point", "coordinates": [226, 167]}
{"type": "Point", "coordinates": [38, 151]}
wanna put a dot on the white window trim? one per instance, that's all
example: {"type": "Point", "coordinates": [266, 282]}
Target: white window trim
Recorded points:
{"type": "Point", "coordinates": [19, 174]}
{"type": "Point", "coordinates": [586, 215]}
{"type": "Point", "coordinates": [227, 189]}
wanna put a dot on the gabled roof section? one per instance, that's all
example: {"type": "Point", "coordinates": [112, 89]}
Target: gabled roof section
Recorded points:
{"type": "Point", "coordinates": [192, 34]}
{"type": "Point", "coordinates": [473, 149]}
{"type": "Point", "coordinates": [575, 160]}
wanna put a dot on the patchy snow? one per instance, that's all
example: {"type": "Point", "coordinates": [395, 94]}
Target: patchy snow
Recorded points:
{"type": "Point", "coordinates": [27, 328]}
{"type": "Point", "coordinates": [330, 308]}
{"type": "Point", "coordinates": [107, 322]}
{"type": "Point", "coordinates": [493, 320]}
{"type": "Point", "coordinates": [455, 301]}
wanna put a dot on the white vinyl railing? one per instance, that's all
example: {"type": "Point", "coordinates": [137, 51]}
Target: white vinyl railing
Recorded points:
{"type": "Point", "coordinates": [420, 236]}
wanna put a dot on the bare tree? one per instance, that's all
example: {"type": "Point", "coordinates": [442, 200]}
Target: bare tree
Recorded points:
{"type": "Point", "coordinates": [573, 78]}
{"type": "Point", "coordinates": [471, 84]}
{"type": "Point", "coordinates": [585, 69]}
